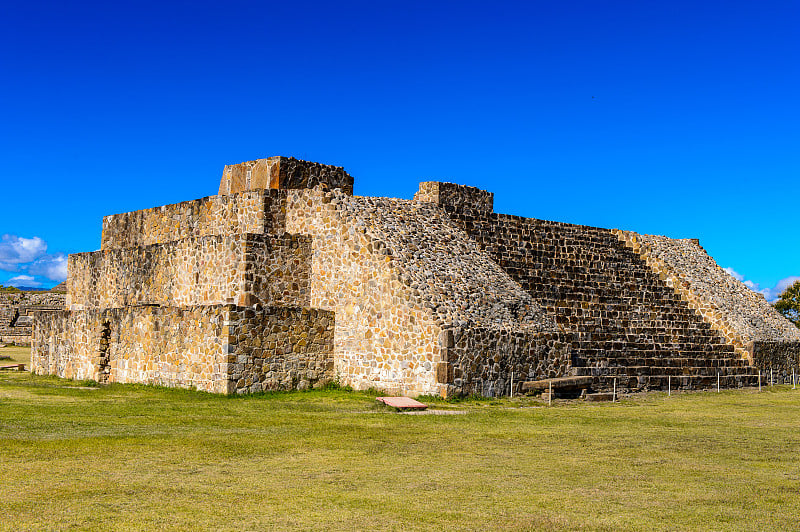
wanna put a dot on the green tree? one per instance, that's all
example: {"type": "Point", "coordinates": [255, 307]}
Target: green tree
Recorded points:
{"type": "Point", "coordinates": [789, 303]}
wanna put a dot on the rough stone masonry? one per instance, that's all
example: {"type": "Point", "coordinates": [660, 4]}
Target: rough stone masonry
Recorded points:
{"type": "Point", "coordinates": [285, 280]}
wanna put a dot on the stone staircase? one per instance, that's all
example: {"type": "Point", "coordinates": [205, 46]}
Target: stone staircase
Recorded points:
{"type": "Point", "coordinates": [622, 321]}
{"type": "Point", "coordinates": [7, 315]}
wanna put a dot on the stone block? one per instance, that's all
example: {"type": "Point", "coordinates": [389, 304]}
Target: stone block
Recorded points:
{"type": "Point", "coordinates": [283, 173]}
{"type": "Point", "coordinates": [444, 373]}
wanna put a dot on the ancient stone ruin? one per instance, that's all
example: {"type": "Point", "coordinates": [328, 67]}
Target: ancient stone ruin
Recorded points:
{"type": "Point", "coordinates": [16, 313]}
{"type": "Point", "coordinates": [285, 280]}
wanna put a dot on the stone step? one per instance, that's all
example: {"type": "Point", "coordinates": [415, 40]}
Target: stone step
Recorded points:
{"type": "Point", "coordinates": [621, 325]}
{"type": "Point", "coordinates": [636, 371]}
{"type": "Point", "coordinates": [583, 358]}
{"type": "Point", "coordinates": [664, 382]}
{"type": "Point", "coordinates": [560, 383]}
{"type": "Point", "coordinates": [669, 330]}
{"type": "Point", "coordinates": [678, 361]}
{"type": "Point", "coordinates": [601, 396]}
{"type": "Point", "coordinates": [663, 358]}
{"type": "Point", "coordinates": [620, 319]}
{"type": "Point", "coordinates": [619, 343]}
{"type": "Point", "coordinates": [601, 348]}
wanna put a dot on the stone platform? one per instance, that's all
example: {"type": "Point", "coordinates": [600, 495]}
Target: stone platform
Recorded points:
{"type": "Point", "coordinates": [285, 280]}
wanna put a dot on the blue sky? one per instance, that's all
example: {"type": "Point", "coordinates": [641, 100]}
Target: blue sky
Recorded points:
{"type": "Point", "coordinates": [676, 118]}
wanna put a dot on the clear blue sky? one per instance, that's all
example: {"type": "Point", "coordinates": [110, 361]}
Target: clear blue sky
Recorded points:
{"type": "Point", "coordinates": [676, 118]}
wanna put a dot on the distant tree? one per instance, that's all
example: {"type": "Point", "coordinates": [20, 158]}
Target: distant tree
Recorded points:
{"type": "Point", "coordinates": [789, 303]}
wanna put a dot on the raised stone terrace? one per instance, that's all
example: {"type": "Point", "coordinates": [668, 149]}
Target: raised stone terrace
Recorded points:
{"type": "Point", "coordinates": [285, 280]}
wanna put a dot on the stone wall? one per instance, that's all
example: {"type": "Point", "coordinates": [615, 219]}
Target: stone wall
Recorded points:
{"type": "Point", "coordinates": [22, 302]}
{"type": "Point", "coordinates": [485, 361]}
{"type": "Point", "coordinates": [741, 315]}
{"type": "Point", "coordinates": [66, 344]}
{"type": "Point", "coordinates": [167, 346]}
{"type": "Point", "coordinates": [215, 348]}
{"type": "Point", "coordinates": [384, 338]}
{"type": "Point", "coordinates": [277, 270]}
{"type": "Point", "coordinates": [283, 173]}
{"type": "Point", "coordinates": [779, 357]}
{"type": "Point", "coordinates": [279, 349]}
{"type": "Point", "coordinates": [14, 337]}
{"type": "Point", "coordinates": [211, 270]}
{"type": "Point", "coordinates": [249, 212]}
{"type": "Point", "coordinates": [397, 273]}
{"type": "Point", "coordinates": [460, 198]}
{"type": "Point", "coordinates": [443, 266]}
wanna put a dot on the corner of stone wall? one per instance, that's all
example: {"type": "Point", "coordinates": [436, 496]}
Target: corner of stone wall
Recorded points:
{"type": "Point", "coordinates": [460, 198]}
{"type": "Point", "coordinates": [66, 343]}
{"type": "Point", "coordinates": [283, 173]}
{"type": "Point", "coordinates": [444, 368]}
{"type": "Point", "coordinates": [224, 376]}
{"type": "Point", "coordinates": [249, 175]}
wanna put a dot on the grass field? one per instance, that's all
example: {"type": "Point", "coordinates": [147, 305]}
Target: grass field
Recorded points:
{"type": "Point", "coordinates": [16, 354]}
{"type": "Point", "coordinates": [134, 457]}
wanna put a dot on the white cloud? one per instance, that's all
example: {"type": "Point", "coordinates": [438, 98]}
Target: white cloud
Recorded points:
{"type": "Point", "coordinates": [16, 250]}
{"type": "Point", "coordinates": [771, 294]}
{"type": "Point", "coordinates": [29, 257]}
{"type": "Point", "coordinates": [54, 267]}
{"type": "Point", "coordinates": [23, 280]}
{"type": "Point", "coordinates": [734, 274]}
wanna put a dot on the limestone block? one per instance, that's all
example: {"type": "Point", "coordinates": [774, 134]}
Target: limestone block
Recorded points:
{"type": "Point", "coordinates": [283, 173]}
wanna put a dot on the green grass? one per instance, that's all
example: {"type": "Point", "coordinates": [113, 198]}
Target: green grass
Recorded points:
{"type": "Point", "coordinates": [17, 355]}
{"type": "Point", "coordinates": [138, 457]}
